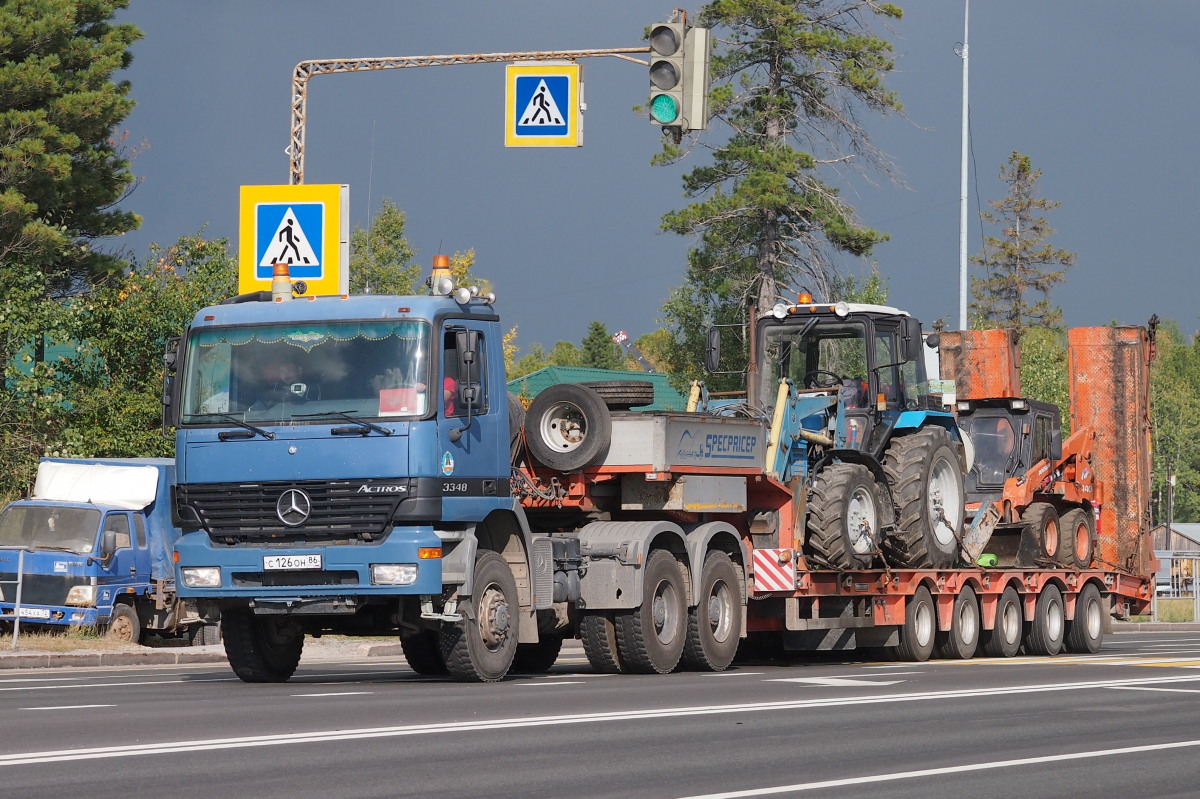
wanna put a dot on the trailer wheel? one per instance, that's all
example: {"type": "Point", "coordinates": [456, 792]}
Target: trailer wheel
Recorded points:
{"type": "Point", "coordinates": [537, 658]}
{"type": "Point", "coordinates": [598, 634]}
{"type": "Point", "coordinates": [1042, 522]}
{"type": "Point", "coordinates": [715, 624]}
{"type": "Point", "coordinates": [260, 648]}
{"type": "Point", "coordinates": [1078, 537]}
{"type": "Point", "coordinates": [1085, 632]}
{"type": "Point", "coordinates": [1045, 634]}
{"type": "Point", "coordinates": [568, 427]}
{"type": "Point", "coordinates": [423, 652]}
{"type": "Point", "coordinates": [1004, 639]}
{"type": "Point", "coordinates": [651, 637]}
{"type": "Point", "coordinates": [919, 633]}
{"type": "Point", "coordinates": [481, 647]}
{"type": "Point", "coordinates": [124, 625]}
{"type": "Point", "coordinates": [621, 395]}
{"type": "Point", "coordinates": [927, 486]}
{"type": "Point", "coordinates": [962, 639]}
{"type": "Point", "coordinates": [843, 517]}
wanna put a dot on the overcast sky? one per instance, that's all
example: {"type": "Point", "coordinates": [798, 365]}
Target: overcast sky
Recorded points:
{"type": "Point", "coordinates": [1101, 94]}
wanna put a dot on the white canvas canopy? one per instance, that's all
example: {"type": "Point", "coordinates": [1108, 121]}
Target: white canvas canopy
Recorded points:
{"type": "Point", "coordinates": [129, 487]}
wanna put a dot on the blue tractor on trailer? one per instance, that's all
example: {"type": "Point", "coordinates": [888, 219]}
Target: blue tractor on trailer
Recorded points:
{"type": "Point", "coordinates": [387, 484]}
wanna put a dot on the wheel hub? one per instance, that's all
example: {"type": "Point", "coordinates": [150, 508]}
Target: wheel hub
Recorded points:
{"type": "Point", "coordinates": [494, 619]}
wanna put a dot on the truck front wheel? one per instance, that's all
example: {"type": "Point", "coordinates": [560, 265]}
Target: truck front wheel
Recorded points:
{"type": "Point", "coordinates": [260, 648]}
{"type": "Point", "coordinates": [124, 625]}
{"type": "Point", "coordinates": [481, 647]}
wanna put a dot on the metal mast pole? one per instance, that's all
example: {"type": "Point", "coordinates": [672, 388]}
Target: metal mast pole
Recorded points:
{"type": "Point", "coordinates": [962, 211]}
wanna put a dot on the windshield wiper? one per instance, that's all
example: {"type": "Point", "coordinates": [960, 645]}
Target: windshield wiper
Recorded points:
{"type": "Point", "coordinates": [362, 427]}
{"type": "Point", "coordinates": [225, 435]}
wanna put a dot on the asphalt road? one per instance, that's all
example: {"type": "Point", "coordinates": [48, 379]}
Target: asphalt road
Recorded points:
{"type": "Point", "coordinates": [1120, 723]}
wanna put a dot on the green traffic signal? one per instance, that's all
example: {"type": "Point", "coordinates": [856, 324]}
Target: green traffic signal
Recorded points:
{"type": "Point", "coordinates": [664, 109]}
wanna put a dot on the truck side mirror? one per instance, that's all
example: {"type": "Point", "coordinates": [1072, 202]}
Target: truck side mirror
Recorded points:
{"type": "Point", "coordinates": [108, 545]}
{"type": "Point", "coordinates": [170, 392]}
{"type": "Point", "coordinates": [712, 349]}
{"type": "Point", "coordinates": [910, 339]}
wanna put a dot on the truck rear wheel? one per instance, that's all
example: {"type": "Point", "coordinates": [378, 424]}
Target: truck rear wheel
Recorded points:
{"type": "Point", "coordinates": [843, 517]}
{"type": "Point", "coordinates": [715, 624]}
{"type": "Point", "coordinates": [652, 636]}
{"type": "Point", "coordinates": [598, 634]}
{"type": "Point", "coordinates": [481, 647]}
{"type": "Point", "coordinates": [260, 648]}
{"type": "Point", "coordinates": [1078, 537]}
{"type": "Point", "coordinates": [1085, 632]}
{"type": "Point", "coordinates": [919, 633]}
{"type": "Point", "coordinates": [962, 639]}
{"type": "Point", "coordinates": [568, 427]}
{"type": "Point", "coordinates": [1042, 522]}
{"type": "Point", "coordinates": [124, 625]}
{"type": "Point", "coordinates": [538, 658]}
{"type": "Point", "coordinates": [1045, 635]}
{"type": "Point", "coordinates": [1004, 639]}
{"type": "Point", "coordinates": [927, 486]}
{"type": "Point", "coordinates": [204, 634]}
{"type": "Point", "coordinates": [423, 652]}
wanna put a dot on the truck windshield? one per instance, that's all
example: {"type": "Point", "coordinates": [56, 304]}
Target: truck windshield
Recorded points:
{"type": "Point", "coordinates": [293, 372]}
{"type": "Point", "coordinates": [46, 527]}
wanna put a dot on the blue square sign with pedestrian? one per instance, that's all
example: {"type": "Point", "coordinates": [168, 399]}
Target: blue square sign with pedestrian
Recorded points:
{"type": "Point", "coordinates": [543, 102]}
{"type": "Point", "coordinates": [290, 233]}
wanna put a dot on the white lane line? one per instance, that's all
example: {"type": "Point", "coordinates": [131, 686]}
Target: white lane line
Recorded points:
{"type": "Point", "coordinates": [124, 684]}
{"type": "Point", "coordinates": [337, 693]}
{"type": "Point", "coordinates": [733, 674]}
{"type": "Point", "coordinates": [935, 772]}
{"type": "Point", "coordinates": [543, 683]}
{"type": "Point", "coordinates": [507, 724]}
{"type": "Point", "coordinates": [1164, 690]}
{"type": "Point", "coordinates": [66, 707]}
{"type": "Point", "coordinates": [836, 682]}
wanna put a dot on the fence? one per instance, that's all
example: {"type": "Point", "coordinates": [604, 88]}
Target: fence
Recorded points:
{"type": "Point", "coordinates": [1176, 579]}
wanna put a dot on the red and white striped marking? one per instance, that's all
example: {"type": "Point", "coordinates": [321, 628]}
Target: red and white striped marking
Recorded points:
{"type": "Point", "coordinates": [770, 574]}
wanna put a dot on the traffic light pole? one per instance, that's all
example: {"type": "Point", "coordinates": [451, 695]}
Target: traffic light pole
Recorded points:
{"type": "Point", "coordinates": [331, 66]}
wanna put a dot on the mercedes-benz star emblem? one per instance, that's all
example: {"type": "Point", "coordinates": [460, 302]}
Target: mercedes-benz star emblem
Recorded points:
{"type": "Point", "coordinates": [293, 507]}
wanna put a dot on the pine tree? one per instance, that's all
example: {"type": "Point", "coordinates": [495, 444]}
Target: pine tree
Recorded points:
{"type": "Point", "coordinates": [790, 80]}
{"type": "Point", "coordinates": [599, 351]}
{"type": "Point", "coordinates": [1019, 263]}
{"type": "Point", "coordinates": [62, 167]}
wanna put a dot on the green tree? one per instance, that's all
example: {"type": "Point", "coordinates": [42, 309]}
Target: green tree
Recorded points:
{"type": "Point", "coordinates": [1019, 262]}
{"type": "Point", "coordinates": [381, 257]}
{"type": "Point", "coordinates": [598, 349]}
{"type": "Point", "coordinates": [61, 168]}
{"type": "Point", "coordinates": [1175, 423]}
{"type": "Point", "coordinates": [1045, 374]}
{"type": "Point", "coordinates": [791, 80]}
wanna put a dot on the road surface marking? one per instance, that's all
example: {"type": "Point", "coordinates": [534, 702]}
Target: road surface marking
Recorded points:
{"type": "Point", "coordinates": [66, 707]}
{"type": "Point", "coordinates": [457, 728]}
{"type": "Point", "coordinates": [934, 772]}
{"type": "Point", "coordinates": [337, 693]}
{"type": "Point", "coordinates": [536, 683]}
{"type": "Point", "coordinates": [1164, 690]}
{"type": "Point", "coordinates": [836, 682]}
{"type": "Point", "coordinates": [732, 674]}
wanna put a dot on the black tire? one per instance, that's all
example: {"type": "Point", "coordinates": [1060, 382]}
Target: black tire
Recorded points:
{"type": "Point", "coordinates": [537, 658]}
{"type": "Point", "coordinates": [1004, 639]}
{"type": "Point", "coordinates": [844, 513]}
{"type": "Point", "coordinates": [927, 487]}
{"type": "Point", "coordinates": [1045, 633]}
{"type": "Point", "coordinates": [1045, 528]}
{"type": "Point", "coordinates": [715, 623]}
{"type": "Point", "coordinates": [204, 634]}
{"type": "Point", "coordinates": [516, 420]}
{"type": "Point", "coordinates": [919, 633]}
{"type": "Point", "coordinates": [568, 427]}
{"type": "Point", "coordinates": [481, 648]}
{"type": "Point", "coordinates": [961, 641]}
{"type": "Point", "coordinates": [1078, 538]}
{"type": "Point", "coordinates": [258, 648]}
{"type": "Point", "coordinates": [623, 394]}
{"type": "Point", "coordinates": [1085, 632]}
{"type": "Point", "coordinates": [598, 634]}
{"type": "Point", "coordinates": [423, 652]}
{"type": "Point", "coordinates": [651, 637]}
{"type": "Point", "coordinates": [124, 625]}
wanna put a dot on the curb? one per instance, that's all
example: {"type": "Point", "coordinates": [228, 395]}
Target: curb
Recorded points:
{"type": "Point", "coordinates": [1155, 627]}
{"type": "Point", "coordinates": [60, 660]}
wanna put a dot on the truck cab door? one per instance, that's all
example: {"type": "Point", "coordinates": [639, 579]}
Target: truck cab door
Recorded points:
{"type": "Point", "coordinates": [472, 423]}
{"type": "Point", "coordinates": [119, 555]}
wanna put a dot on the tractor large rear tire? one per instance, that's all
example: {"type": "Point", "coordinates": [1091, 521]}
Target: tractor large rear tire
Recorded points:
{"type": "Point", "coordinates": [844, 510]}
{"type": "Point", "coordinates": [927, 487]}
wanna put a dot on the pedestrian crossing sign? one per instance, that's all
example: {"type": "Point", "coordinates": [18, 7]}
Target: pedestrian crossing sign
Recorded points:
{"type": "Point", "coordinates": [544, 104]}
{"type": "Point", "coordinates": [305, 227]}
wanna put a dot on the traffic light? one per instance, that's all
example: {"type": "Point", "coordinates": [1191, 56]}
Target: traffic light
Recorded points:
{"type": "Point", "coordinates": [679, 78]}
{"type": "Point", "coordinates": [667, 78]}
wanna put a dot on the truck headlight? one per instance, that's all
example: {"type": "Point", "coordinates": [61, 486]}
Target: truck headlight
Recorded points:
{"type": "Point", "coordinates": [201, 576]}
{"type": "Point", "coordinates": [393, 573]}
{"type": "Point", "coordinates": [82, 595]}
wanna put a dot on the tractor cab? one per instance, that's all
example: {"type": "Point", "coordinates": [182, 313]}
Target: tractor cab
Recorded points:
{"type": "Point", "coordinates": [1009, 435]}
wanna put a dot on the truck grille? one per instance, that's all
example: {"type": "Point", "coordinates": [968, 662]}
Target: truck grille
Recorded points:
{"type": "Point", "coordinates": [248, 511]}
{"type": "Point", "coordinates": [38, 589]}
